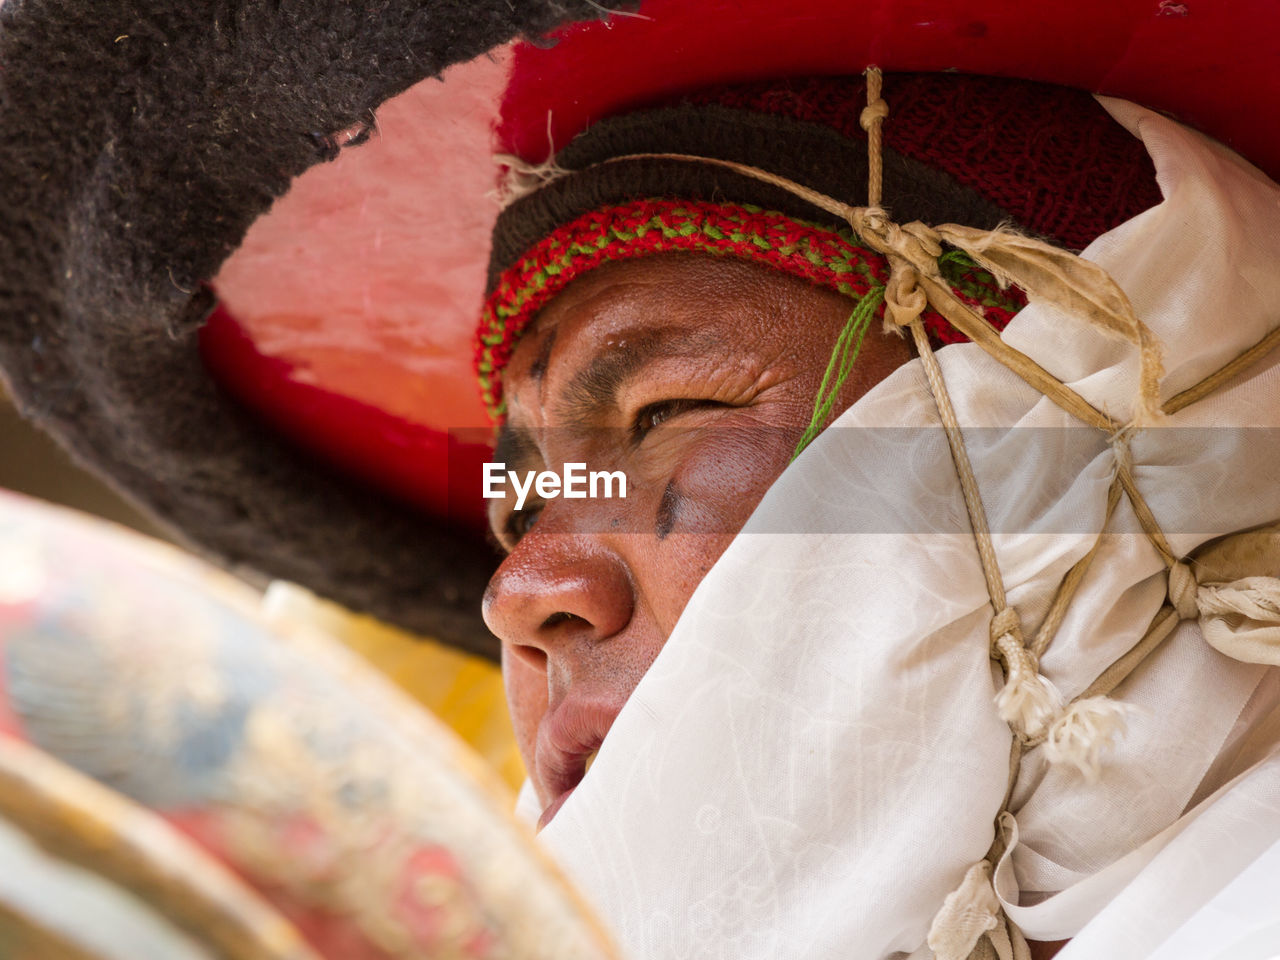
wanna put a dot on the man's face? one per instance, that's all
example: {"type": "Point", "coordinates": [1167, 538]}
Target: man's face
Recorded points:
{"type": "Point", "coordinates": [695, 376]}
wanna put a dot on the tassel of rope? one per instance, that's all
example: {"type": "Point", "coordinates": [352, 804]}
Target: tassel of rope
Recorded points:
{"type": "Point", "coordinates": [1240, 619]}
{"type": "Point", "coordinates": [969, 912]}
{"type": "Point", "coordinates": [972, 925]}
{"type": "Point", "coordinates": [1028, 702]}
{"type": "Point", "coordinates": [1084, 730]}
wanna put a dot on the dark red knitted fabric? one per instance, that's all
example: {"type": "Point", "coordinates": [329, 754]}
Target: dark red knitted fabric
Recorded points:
{"type": "Point", "coordinates": [1050, 156]}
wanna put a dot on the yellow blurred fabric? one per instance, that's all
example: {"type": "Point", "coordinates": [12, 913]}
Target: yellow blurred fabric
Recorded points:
{"type": "Point", "coordinates": [462, 690]}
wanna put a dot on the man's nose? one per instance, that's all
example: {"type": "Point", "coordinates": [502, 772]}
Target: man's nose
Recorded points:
{"type": "Point", "coordinates": [557, 591]}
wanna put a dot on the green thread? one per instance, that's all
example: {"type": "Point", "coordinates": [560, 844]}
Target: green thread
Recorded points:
{"type": "Point", "coordinates": [958, 269]}
{"type": "Point", "coordinates": [848, 346]}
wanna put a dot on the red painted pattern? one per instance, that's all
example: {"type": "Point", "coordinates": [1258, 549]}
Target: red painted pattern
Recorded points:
{"type": "Point", "coordinates": [439, 471]}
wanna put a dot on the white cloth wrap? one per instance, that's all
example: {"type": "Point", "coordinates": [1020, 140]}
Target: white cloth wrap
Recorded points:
{"type": "Point", "coordinates": [815, 759]}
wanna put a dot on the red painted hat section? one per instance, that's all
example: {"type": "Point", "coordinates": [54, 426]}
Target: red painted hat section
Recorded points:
{"type": "Point", "coordinates": [1214, 64]}
{"type": "Point", "coordinates": [348, 312]}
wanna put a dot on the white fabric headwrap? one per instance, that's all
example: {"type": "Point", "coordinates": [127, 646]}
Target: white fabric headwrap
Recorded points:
{"type": "Point", "coordinates": [814, 762]}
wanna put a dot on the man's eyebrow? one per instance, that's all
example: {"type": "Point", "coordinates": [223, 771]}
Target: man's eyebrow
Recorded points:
{"type": "Point", "coordinates": [597, 385]}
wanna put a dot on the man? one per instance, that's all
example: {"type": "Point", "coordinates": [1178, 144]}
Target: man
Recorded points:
{"type": "Point", "coordinates": [810, 762]}
{"type": "Point", "coordinates": [700, 427]}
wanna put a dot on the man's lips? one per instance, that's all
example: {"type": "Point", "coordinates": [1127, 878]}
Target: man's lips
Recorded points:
{"type": "Point", "coordinates": [567, 738]}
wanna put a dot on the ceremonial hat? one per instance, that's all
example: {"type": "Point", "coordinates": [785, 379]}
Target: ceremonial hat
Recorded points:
{"type": "Point", "coordinates": [246, 246]}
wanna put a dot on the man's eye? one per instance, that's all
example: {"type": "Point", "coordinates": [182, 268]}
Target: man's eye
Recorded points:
{"type": "Point", "coordinates": [520, 522]}
{"type": "Point", "coordinates": [655, 414]}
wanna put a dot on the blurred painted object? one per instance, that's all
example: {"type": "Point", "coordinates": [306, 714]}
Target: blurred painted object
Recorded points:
{"type": "Point", "coordinates": [181, 778]}
{"type": "Point", "coordinates": [462, 690]}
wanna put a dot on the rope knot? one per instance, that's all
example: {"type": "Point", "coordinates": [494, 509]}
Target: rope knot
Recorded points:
{"type": "Point", "coordinates": [873, 220]}
{"type": "Point", "coordinates": [925, 237]}
{"type": "Point", "coordinates": [1183, 590]}
{"type": "Point", "coordinates": [1119, 441]}
{"type": "Point", "coordinates": [1028, 702]}
{"type": "Point", "coordinates": [1007, 623]}
{"type": "Point", "coordinates": [903, 298]}
{"type": "Point", "coordinates": [873, 113]}
{"type": "Point", "coordinates": [915, 242]}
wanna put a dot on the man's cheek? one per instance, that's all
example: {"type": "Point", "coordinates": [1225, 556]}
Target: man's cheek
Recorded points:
{"type": "Point", "coordinates": [707, 499]}
{"type": "Point", "coordinates": [724, 475]}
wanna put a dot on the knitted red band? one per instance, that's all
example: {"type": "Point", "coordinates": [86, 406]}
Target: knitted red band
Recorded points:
{"type": "Point", "coordinates": [828, 258]}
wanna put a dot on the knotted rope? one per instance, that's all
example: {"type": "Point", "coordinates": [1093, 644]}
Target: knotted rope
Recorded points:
{"type": "Point", "coordinates": [872, 117]}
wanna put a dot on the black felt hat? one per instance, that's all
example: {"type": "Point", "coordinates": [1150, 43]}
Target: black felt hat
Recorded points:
{"type": "Point", "coordinates": [141, 139]}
